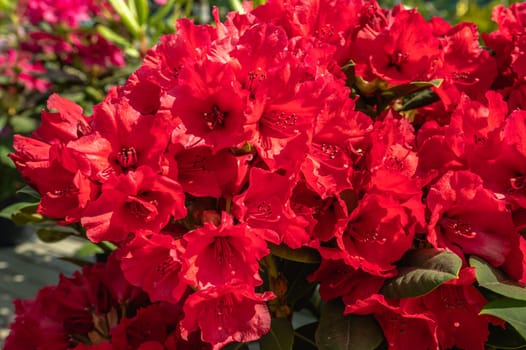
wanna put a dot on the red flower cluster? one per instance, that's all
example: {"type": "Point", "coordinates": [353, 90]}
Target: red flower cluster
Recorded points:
{"type": "Point", "coordinates": [232, 139]}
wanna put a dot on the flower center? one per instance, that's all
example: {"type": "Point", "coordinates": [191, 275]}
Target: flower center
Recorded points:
{"type": "Point", "coordinates": [141, 208]}
{"type": "Point", "coordinates": [214, 118]}
{"type": "Point", "coordinates": [397, 59]}
{"type": "Point", "coordinates": [279, 124]}
{"type": "Point", "coordinates": [167, 266]}
{"type": "Point", "coordinates": [127, 157]}
{"type": "Point", "coordinates": [457, 227]}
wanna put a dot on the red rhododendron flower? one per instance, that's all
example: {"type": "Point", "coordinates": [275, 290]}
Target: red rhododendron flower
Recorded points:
{"type": "Point", "coordinates": [207, 109]}
{"type": "Point", "coordinates": [64, 122]}
{"type": "Point", "coordinates": [81, 309]}
{"type": "Point", "coordinates": [403, 328]}
{"type": "Point", "coordinates": [466, 66]}
{"type": "Point", "coordinates": [153, 262]}
{"type": "Point", "coordinates": [224, 254]}
{"type": "Point", "coordinates": [122, 139]}
{"type": "Point", "coordinates": [379, 232]}
{"type": "Point", "coordinates": [455, 309]}
{"type": "Point", "coordinates": [130, 202]}
{"type": "Point", "coordinates": [226, 314]}
{"type": "Point", "coordinates": [467, 218]}
{"type": "Point", "coordinates": [405, 51]}
{"type": "Point", "coordinates": [339, 279]}
{"type": "Point", "coordinates": [55, 174]}
{"type": "Point", "coordinates": [204, 173]}
{"type": "Point", "coordinates": [265, 206]}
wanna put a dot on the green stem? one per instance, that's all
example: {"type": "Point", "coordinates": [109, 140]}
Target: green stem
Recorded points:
{"type": "Point", "coordinates": [106, 246]}
{"type": "Point", "coordinates": [228, 204]}
{"type": "Point", "coordinates": [272, 269]}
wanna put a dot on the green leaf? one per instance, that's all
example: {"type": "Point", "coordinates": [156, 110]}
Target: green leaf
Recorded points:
{"type": "Point", "coordinates": [402, 90]}
{"type": "Point", "coordinates": [13, 209]}
{"type": "Point", "coordinates": [505, 338]}
{"type": "Point", "coordinates": [112, 36]}
{"type": "Point", "coordinates": [89, 249]}
{"type": "Point", "coordinates": [351, 332]}
{"type": "Point", "coordinates": [418, 99]}
{"type": "Point", "coordinates": [143, 11]}
{"type": "Point", "coordinates": [55, 233]}
{"type": "Point", "coordinates": [4, 156]}
{"type": "Point", "coordinates": [23, 125]}
{"type": "Point", "coordinates": [29, 192]}
{"type": "Point", "coordinates": [127, 16]}
{"type": "Point", "coordinates": [422, 271]}
{"type": "Point", "coordinates": [7, 5]}
{"type": "Point", "coordinates": [280, 337]}
{"type": "Point", "coordinates": [162, 12]}
{"type": "Point", "coordinates": [236, 346]}
{"type": "Point", "coordinates": [27, 215]}
{"type": "Point", "coordinates": [236, 5]}
{"type": "Point", "coordinates": [304, 337]}
{"type": "Point", "coordinates": [510, 310]}
{"type": "Point", "coordinates": [496, 281]}
{"type": "Point", "coordinates": [303, 255]}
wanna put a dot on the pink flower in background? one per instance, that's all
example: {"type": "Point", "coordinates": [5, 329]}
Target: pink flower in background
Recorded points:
{"type": "Point", "coordinates": [18, 68]}
{"type": "Point", "coordinates": [69, 12]}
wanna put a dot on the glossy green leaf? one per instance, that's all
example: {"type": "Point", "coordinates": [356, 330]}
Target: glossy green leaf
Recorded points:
{"type": "Point", "coordinates": [304, 337]}
{"type": "Point", "coordinates": [15, 208]}
{"type": "Point", "coordinates": [505, 338]}
{"type": "Point", "coordinates": [303, 255]}
{"type": "Point", "coordinates": [496, 281]}
{"type": "Point", "coordinates": [351, 332]}
{"type": "Point", "coordinates": [280, 336]}
{"type": "Point", "coordinates": [422, 271]}
{"type": "Point", "coordinates": [127, 16]}
{"type": "Point", "coordinates": [419, 99]}
{"type": "Point", "coordinates": [510, 310]}
{"type": "Point", "coordinates": [402, 90]}
{"type": "Point", "coordinates": [29, 192]}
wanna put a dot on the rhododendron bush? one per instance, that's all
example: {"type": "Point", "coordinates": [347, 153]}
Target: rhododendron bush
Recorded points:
{"type": "Point", "coordinates": [304, 175]}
